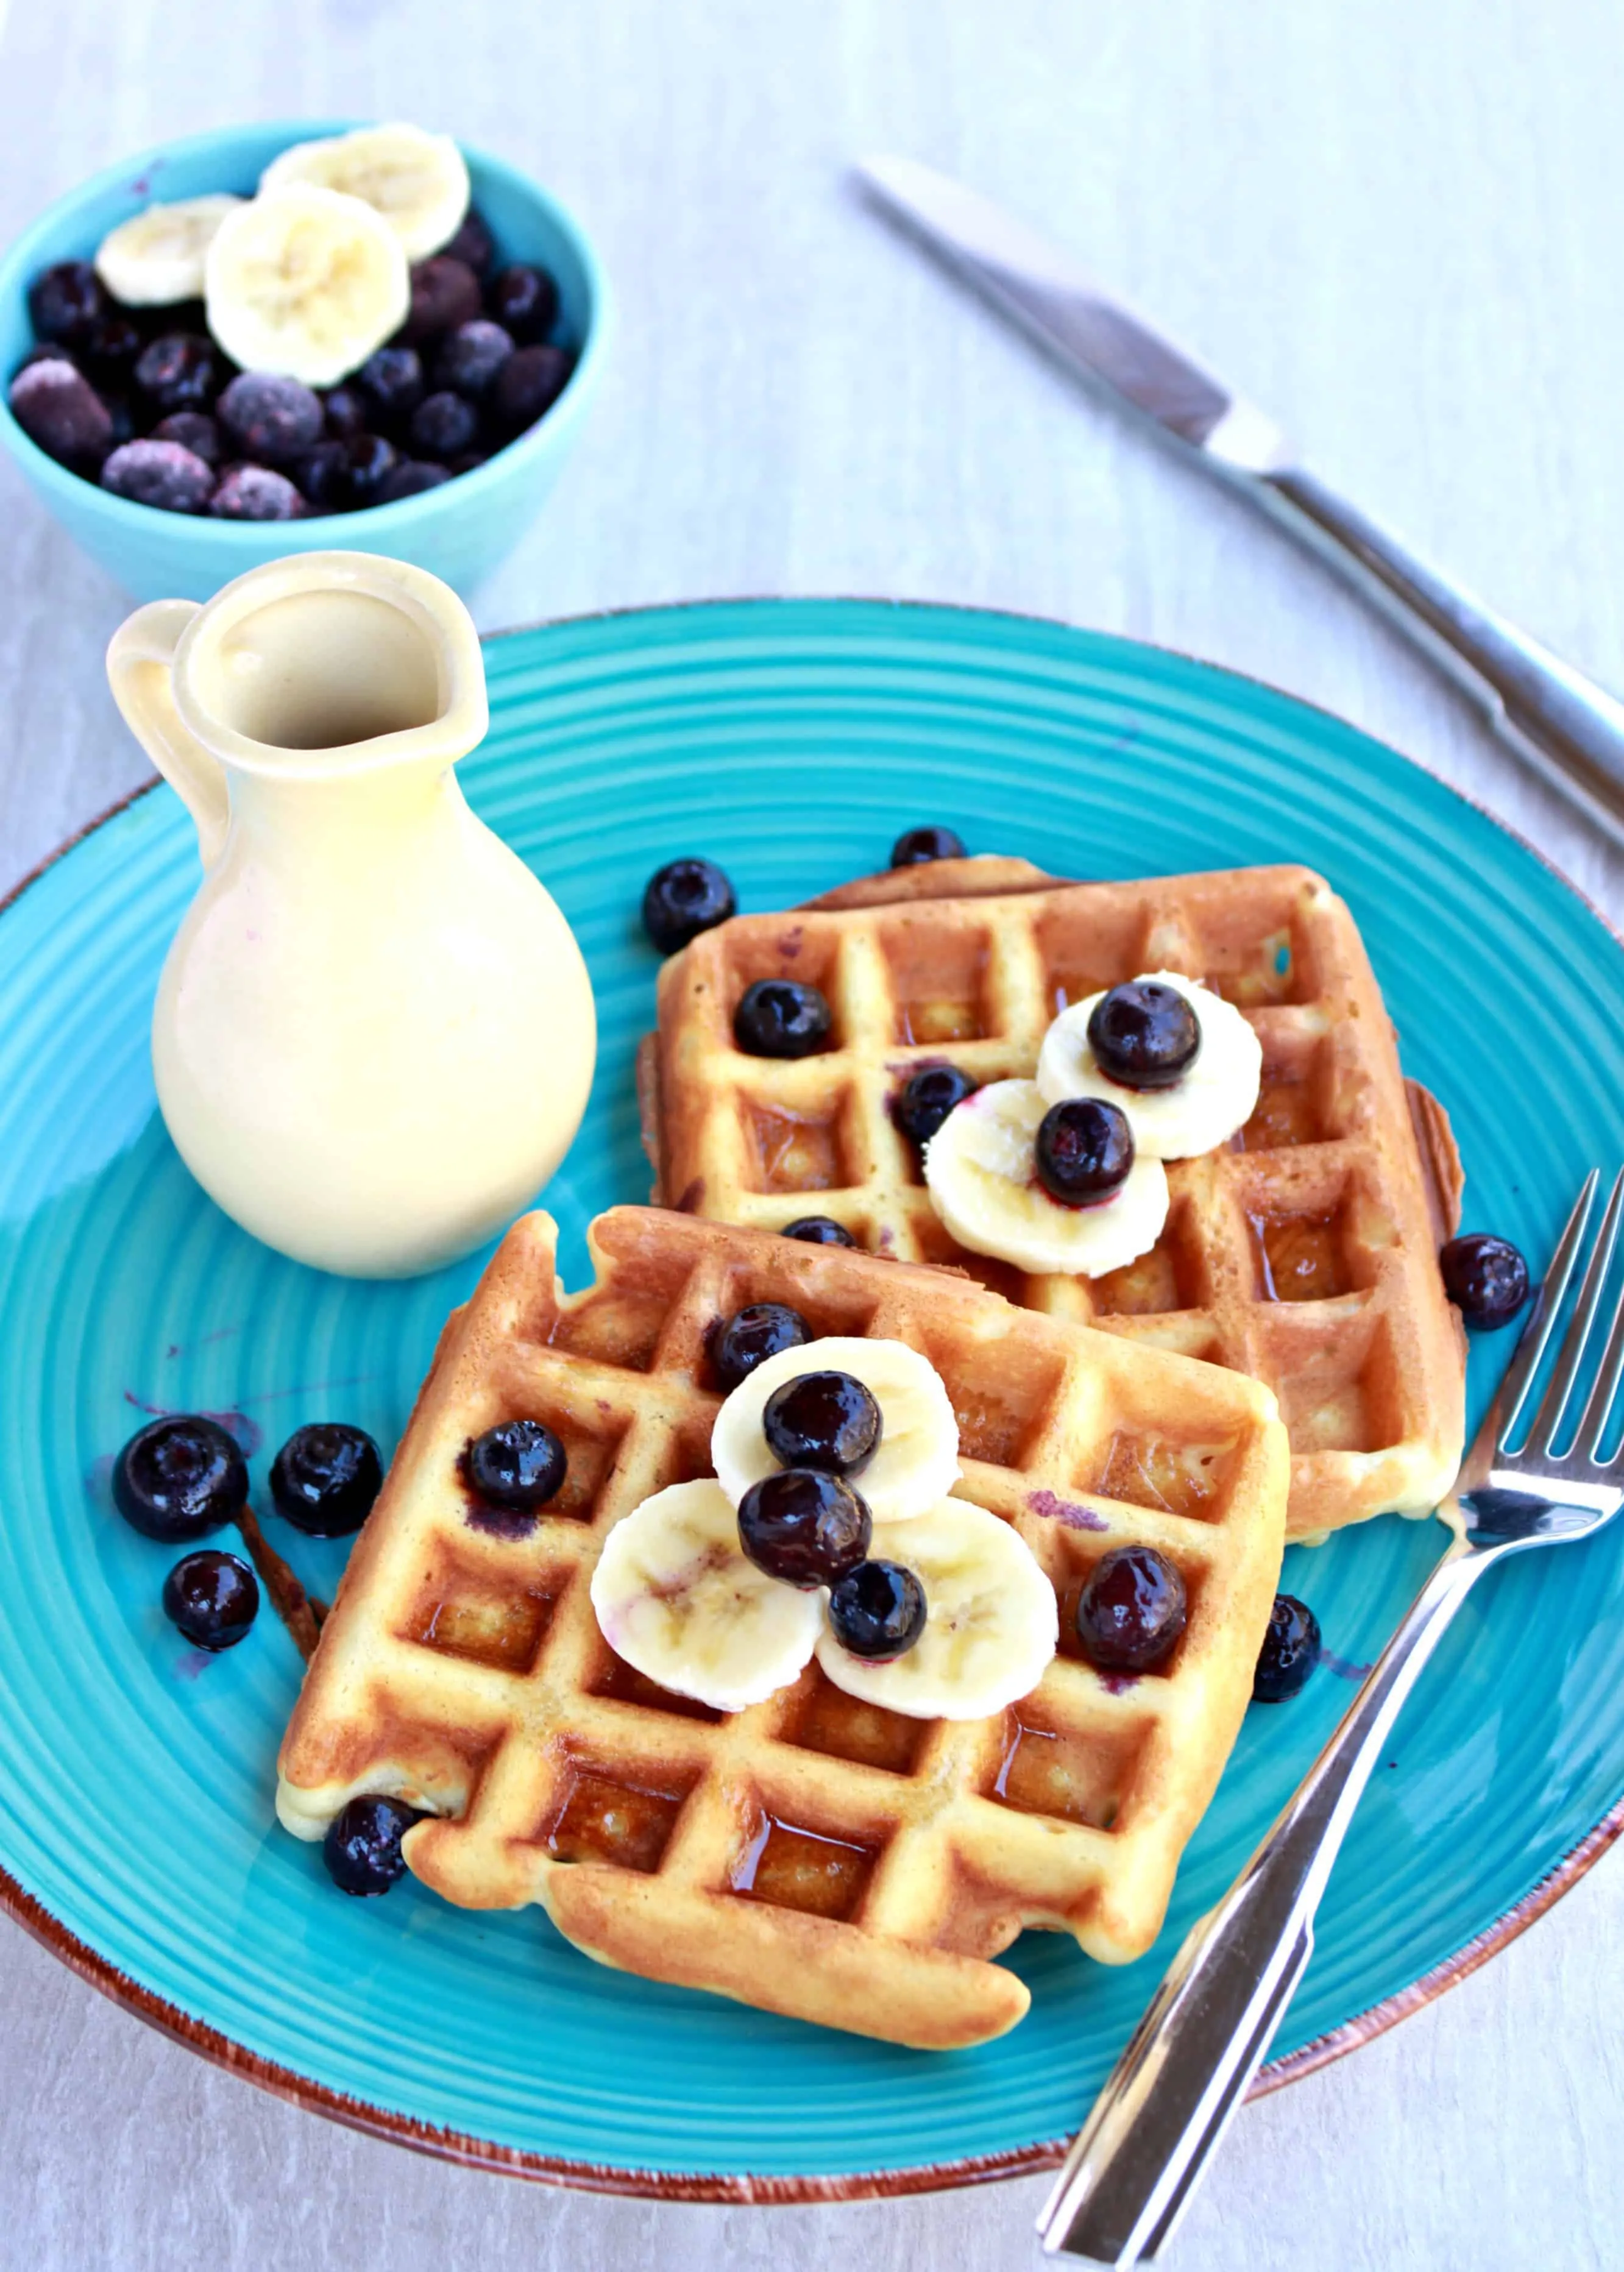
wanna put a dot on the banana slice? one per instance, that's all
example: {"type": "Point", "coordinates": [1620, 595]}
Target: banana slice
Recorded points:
{"type": "Point", "coordinates": [306, 283]}
{"type": "Point", "coordinates": [156, 258]}
{"type": "Point", "coordinates": [991, 1626]}
{"type": "Point", "coordinates": [676, 1597]}
{"type": "Point", "coordinates": [417, 181]}
{"type": "Point", "coordinates": [916, 1462]}
{"type": "Point", "coordinates": [1203, 1108]}
{"type": "Point", "coordinates": [979, 1168]}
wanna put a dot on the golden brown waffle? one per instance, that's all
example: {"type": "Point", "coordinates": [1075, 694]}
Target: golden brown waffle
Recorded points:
{"type": "Point", "coordinates": [815, 1856]}
{"type": "Point", "coordinates": [1305, 1254]}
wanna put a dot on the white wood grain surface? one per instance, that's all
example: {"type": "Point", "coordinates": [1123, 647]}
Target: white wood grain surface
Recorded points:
{"type": "Point", "coordinates": [1398, 225]}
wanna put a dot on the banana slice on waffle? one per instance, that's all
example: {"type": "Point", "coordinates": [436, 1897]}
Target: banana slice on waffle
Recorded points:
{"type": "Point", "coordinates": [916, 1460]}
{"type": "Point", "coordinates": [1202, 1109]}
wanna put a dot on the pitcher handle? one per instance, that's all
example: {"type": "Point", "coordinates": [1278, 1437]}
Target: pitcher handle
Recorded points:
{"type": "Point", "coordinates": [140, 667]}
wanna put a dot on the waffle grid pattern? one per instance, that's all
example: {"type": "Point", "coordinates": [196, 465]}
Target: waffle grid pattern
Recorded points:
{"type": "Point", "coordinates": [1305, 1254]}
{"type": "Point", "coordinates": [814, 1854]}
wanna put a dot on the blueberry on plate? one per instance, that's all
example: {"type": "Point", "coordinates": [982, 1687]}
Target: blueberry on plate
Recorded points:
{"type": "Point", "coordinates": [272, 420]}
{"type": "Point", "coordinates": [162, 473]}
{"type": "Point", "coordinates": [878, 1611]}
{"type": "Point", "coordinates": [58, 408]}
{"type": "Point", "coordinates": [824, 1420]}
{"type": "Point", "coordinates": [1144, 1035]}
{"type": "Point", "coordinates": [67, 301]}
{"type": "Point", "coordinates": [362, 1849]}
{"type": "Point", "coordinates": [255, 493]}
{"type": "Point", "coordinates": [751, 1335]}
{"type": "Point", "coordinates": [1084, 1151]}
{"type": "Point", "coordinates": [804, 1527]}
{"type": "Point", "coordinates": [819, 1230]}
{"type": "Point", "coordinates": [1292, 1649]}
{"type": "Point", "coordinates": [1485, 1278]}
{"type": "Point", "coordinates": [178, 1478]}
{"type": "Point", "coordinates": [179, 370]}
{"type": "Point", "coordinates": [682, 898]}
{"type": "Point", "coordinates": [325, 1477]}
{"type": "Point", "coordinates": [931, 1094]}
{"type": "Point", "coordinates": [1132, 1611]}
{"type": "Point", "coordinates": [211, 1597]}
{"type": "Point", "coordinates": [518, 1465]}
{"type": "Point", "coordinates": [782, 1018]}
{"type": "Point", "coordinates": [915, 846]}
{"type": "Point", "coordinates": [524, 300]}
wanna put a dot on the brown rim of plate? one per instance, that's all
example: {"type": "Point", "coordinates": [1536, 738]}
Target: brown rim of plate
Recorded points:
{"type": "Point", "coordinates": [931, 2177]}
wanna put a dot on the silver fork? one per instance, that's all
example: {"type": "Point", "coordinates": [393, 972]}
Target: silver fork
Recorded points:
{"type": "Point", "coordinates": [1133, 2167]}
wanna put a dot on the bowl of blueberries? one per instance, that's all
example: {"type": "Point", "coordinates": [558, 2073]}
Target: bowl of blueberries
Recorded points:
{"type": "Point", "coordinates": [282, 338]}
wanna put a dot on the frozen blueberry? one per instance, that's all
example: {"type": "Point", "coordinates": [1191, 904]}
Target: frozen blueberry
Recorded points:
{"type": "Point", "coordinates": [48, 351]}
{"type": "Point", "coordinates": [179, 370]}
{"type": "Point", "coordinates": [878, 1611]}
{"type": "Point", "coordinates": [931, 1094]}
{"type": "Point", "coordinates": [111, 351]}
{"type": "Point", "coordinates": [344, 409]}
{"type": "Point", "coordinates": [410, 478]}
{"type": "Point", "coordinates": [442, 425]}
{"type": "Point", "coordinates": [255, 493]}
{"type": "Point", "coordinates": [368, 459]}
{"type": "Point", "coordinates": [325, 1477]}
{"type": "Point", "coordinates": [819, 1230]}
{"type": "Point", "coordinates": [781, 1018]}
{"type": "Point", "coordinates": [529, 383]}
{"type": "Point", "coordinates": [915, 846]}
{"type": "Point", "coordinates": [194, 430]}
{"type": "Point", "coordinates": [1144, 1035]}
{"type": "Point", "coordinates": [751, 1335]}
{"type": "Point", "coordinates": [518, 1465]}
{"type": "Point", "coordinates": [1084, 1152]}
{"type": "Point", "coordinates": [390, 384]}
{"type": "Point", "coordinates": [58, 408]}
{"type": "Point", "coordinates": [1131, 1611]}
{"type": "Point", "coordinates": [362, 1849]}
{"type": "Point", "coordinates": [825, 1420]}
{"type": "Point", "coordinates": [682, 898]}
{"type": "Point", "coordinates": [445, 294]}
{"type": "Point", "coordinates": [1292, 1649]}
{"type": "Point", "coordinates": [804, 1528]}
{"type": "Point", "coordinates": [473, 244]}
{"type": "Point", "coordinates": [273, 420]}
{"type": "Point", "coordinates": [524, 300]}
{"type": "Point", "coordinates": [470, 358]}
{"type": "Point", "coordinates": [178, 1478]}
{"type": "Point", "coordinates": [1485, 1278]}
{"type": "Point", "coordinates": [66, 302]}
{"type": "Point", "coordinates": [164, 474]}
{"type": "Point", "coordinates": [212, 1597]}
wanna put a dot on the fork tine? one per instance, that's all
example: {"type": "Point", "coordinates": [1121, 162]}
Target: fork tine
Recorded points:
{"type": "Point", "coordinates": [1593, 1421]}
{"type": "Point", "coordinates": [1503, 1413]}
{"type": "Point", "coordinates": [1548, 1419]}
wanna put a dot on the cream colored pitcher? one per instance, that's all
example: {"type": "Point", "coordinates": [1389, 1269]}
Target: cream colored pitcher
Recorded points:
{"type": "Point", "coordinates": [374, 1034]}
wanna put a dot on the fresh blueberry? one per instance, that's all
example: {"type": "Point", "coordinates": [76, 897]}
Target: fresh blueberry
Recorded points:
{"type": "Point", "coordinates": [878, 1611]}
{"type": "Point", "coordinates": [325, 1477]}
{"type": "Point", "coordinates": [518, 1465]}
{"type": "Point", "coordinates": [824, 1420]}
{"type": "Point", "coordinates": [781, 1018]}
{"type": "Point", "coordinates": [819, 1230]}
{"type": "Point", "coordinates": [915, 846]}
{"type": "Point", "coordinates": [213, 1598]}
{"type": "Point", "coordinates": [682, 898]}
{"type": "Point", "coordinates": [111, 351]}
{"type": "Point", "coordinates": [179, 370]}
{"type": "Point", "coordinates": [345, 409]}
{"type": "Point", "coordinates": [271, 419]}
{"type": "Point", "coordinates": [368, 460]}
{"type": "Point", "coordinates": [178, 1478]}
{"type": "Point", "coordinates": [524, 300]}
{"type": "Point", "coordinates": [445, 294]}
{"type": "Point", "coordinates": [1144, 1035]}
{"type": "Point", "coordinates": [1485, 1278]}
{"type": "Point", "coordinates": [442, 425]}
{"type": "Point", "coordinates": [470, 358]}
{"type": "Point", "coordinates": [529, 383]}
{"type": "Point", "coordinates": [391, 385]}
{"type": "Point", "coordinates": [362, 1849]}
{"type": "Point", "coordinates": [66, 302]}
{"type": "Point", "coordinates": [473, 244]}
{"type": "Point", "coordinates": [410, 478]}
{"type": "Point", "coordinates": [1131, 1611]}
{"type": "Point", "coordinates": [804, 1527]}
{"type": "Point", "coordinates": [322, 476]}
{"type": "Point", "coordinates": [751, 1335]}
{"type": "Point", "coordinates": [255, 493]}
{"type": "Point", "coordinates": [58, 408]}
{"type": "Point", "coordinates": [1292, 1649]}
{"type": "Point", "coordinates": [194, 430]}
{"type": "Point", "coordinates": [931, 1094]}
{"type": "Point", "coordinates": [1084, 1151]}
{"type": "Point", "coordinates": [164, 474]}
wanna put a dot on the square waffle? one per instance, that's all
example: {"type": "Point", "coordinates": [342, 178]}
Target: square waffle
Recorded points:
{"type": "Point", "coordinates": [814, 1856]}
{"type": "Point", "coordinates": [1303, 1254]}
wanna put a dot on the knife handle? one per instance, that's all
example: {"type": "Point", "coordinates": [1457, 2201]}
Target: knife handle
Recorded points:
{"type": "Point", "coordinates": [1564, 726]}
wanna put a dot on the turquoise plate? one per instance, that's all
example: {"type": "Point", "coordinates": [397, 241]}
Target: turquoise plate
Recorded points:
{"type": "Point", "coordinates": [791, 740]}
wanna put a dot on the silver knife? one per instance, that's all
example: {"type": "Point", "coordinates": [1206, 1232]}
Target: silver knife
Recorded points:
{"type": "Point", "coordinates": [1566, 728]}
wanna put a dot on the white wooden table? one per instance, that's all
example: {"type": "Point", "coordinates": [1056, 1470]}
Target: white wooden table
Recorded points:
{"type": "Point", "coordinates": [1400, 226]}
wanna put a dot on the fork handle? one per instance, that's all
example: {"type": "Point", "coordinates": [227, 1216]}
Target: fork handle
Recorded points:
{"type": "Point", "coordinates": [1191, 2060]}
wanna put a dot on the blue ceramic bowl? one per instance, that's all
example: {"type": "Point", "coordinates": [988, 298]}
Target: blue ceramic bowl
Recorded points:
{"type": "Point", "coordinates": [459, 531]}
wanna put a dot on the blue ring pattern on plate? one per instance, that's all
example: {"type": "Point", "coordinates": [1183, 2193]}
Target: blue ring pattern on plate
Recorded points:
{"type": "Point", "coordinates": [791, 740]}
